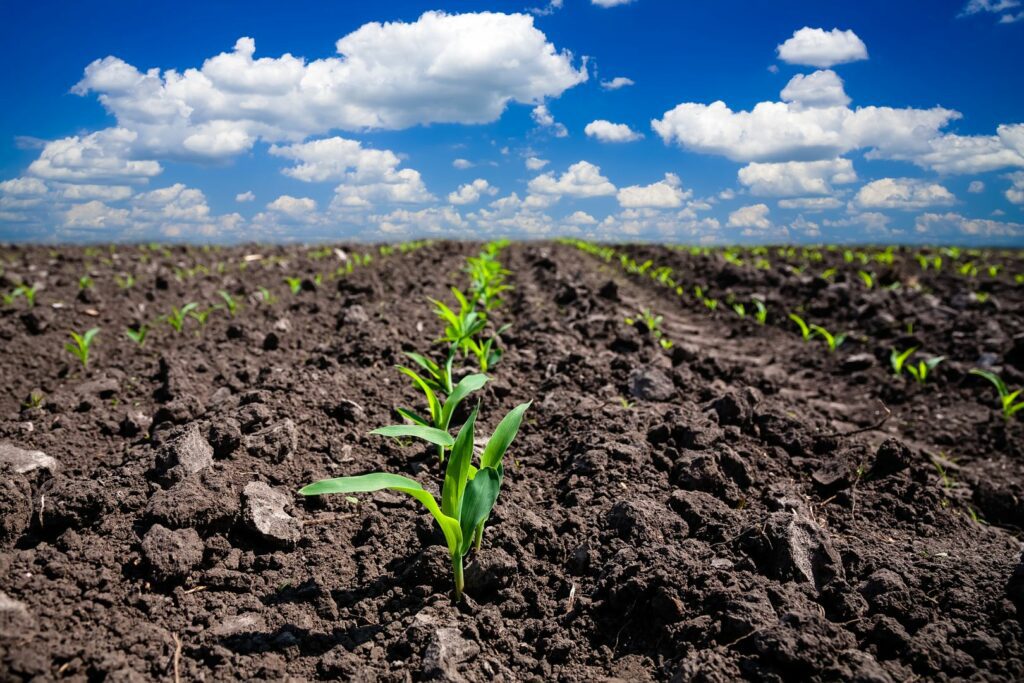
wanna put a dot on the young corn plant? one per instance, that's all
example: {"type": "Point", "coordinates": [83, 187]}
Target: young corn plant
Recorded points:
{"type": "Point", "coordinates": [468, 494]}
{"type": "Point", "coordinates": [760, 312]}
{"type": "Point", "coordinates": [741, 310]}
{"type": "Point", "coordinates": [138, 334]}
{"type": "Point", "coordinates": [923, 368]}
{"type": "Point", "coordinates": [898, 359]}
{"type": "Point", "coordinates": [805, 330]}
{"type": "Point", "coordinates": [29, 293]}
{"type": "Point", "coordinates": [176, 318]}
{"type": "Point", "coordinates": [126, 281]}
{"type": "Point", "coordinates": [487, 352]}
{"type": "Point", "coordinates": [833, 341]}
{"type": "Point", "coordinates": [461, 326]}
{"type": "Point", "coordinates": [439, 411]}
{"type": "Point", "coordinates": [202, 315]}
{"type": "Point", "coordinates": [1011, 401]}
{"type": "Point", "coordinates": [266, 296]}
{"type": "Point", "coordinates": [230, 303]}
{"type": "Point", "coordinates": [867, 278]}
{"type": "Point", "coordinates": [294, 284]}
{"type": "Point", "coordinates": [80, 344]}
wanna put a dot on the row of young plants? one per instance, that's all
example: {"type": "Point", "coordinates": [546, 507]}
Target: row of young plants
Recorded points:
{"type": "Point", "coordinates": [900, 360]}
{"type": "Point", "coordinates": [473, 465]}
{"type": "Point", "coordinates": [178, 317]}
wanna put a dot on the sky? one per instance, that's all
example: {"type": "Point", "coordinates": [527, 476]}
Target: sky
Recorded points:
{"type": "Point", "coordinates": [692, 122]}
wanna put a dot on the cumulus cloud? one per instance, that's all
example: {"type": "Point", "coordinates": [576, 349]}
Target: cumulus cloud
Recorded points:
{"type": "Point", "coordinates": [246, 196]}
{"type": "Point", "coordinates": [901, 193]}
{"type": "Point", "coordinates": [462, 164]}
{"type": "Point", "coordinates": [366, 175]}
{"type": "Point", "coordinates": [103, 155]}
{"type": "Point", "coordinates": [617, 83]}
{"type": "Point", "coordinates": [21, 187]}
{"type": "Point", "coordinates": [606, 131]}
{"type": "Point", "coordinates": [610, 3]}
{"type": "Point", "coordinates": [294, 207]}
{"type": "Point", "coordinates": [818, 89]}
{"type": "Point", "coordinates": [753, 216]}
{"type": "Point", "coordinates": [810, 204]}
{"type": "Point", "coordinates": [1001, 7]}
{"type": "Point", "coordinates": [471, 192]}
{"type": "Point", "coordinates": [107, 193]}
{"type": "Point", "coordinates": [94, 215]}
{"type": "Point", "coordinates": [583, 179]}
{"type": "Point", "coordinates": [935, 225]}
{"type": "Point", "coordinates": [545, 120]}
{"type": "Point", "coordinates": [535, 163]}
{"type": "Point", "coordinates": [664, 194]}
{"type": "Point", "coordinates": [976, 187]}
{"type": "Point", "coordinates": [1015, 193]}
{"type": "Point", "coordinates": [820, 48]}
{"type": "Point", "coordinates": [967, 153]}
{"type": "Point", "coordinates": [796, 177]}
{"type": "Point", "coordinates": [580, 218]}
{"type": "Point", "coordinates": [442, 68]}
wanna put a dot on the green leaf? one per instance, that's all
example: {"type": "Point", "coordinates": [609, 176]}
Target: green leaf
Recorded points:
{"type": "Point", "coordinates": [438, 437]}
{"type": "Point", "coordinates": [376, 481]}
{"type": "Point", "coordinates": [481, 493]}
{"type": "Point", "coordinates": [994, 379]}
{"type": "Point", "coordinates": [503, 435]}
{"type": "Point", "coordinates": [464, 388]}
{"type": "Point", "coordinates": [435, 405]}
{"type": "Point", "coordinates": [457, 473]}
{"type": "Point", "coordinates": [413, 417]}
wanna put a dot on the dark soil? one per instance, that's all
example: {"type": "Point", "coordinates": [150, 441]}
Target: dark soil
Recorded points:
{"type": "Point", "coordinates": [742, 505]}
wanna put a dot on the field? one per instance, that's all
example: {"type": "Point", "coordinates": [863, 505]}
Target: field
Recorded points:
{"type": "Point", "coordinates": [697, 492]}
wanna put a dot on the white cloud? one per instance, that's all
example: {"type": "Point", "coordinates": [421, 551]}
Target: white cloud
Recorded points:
{"type": "Point", "coordinates": [366, 175]}
{"type": "Point", "coordinates": [583, 179]}
{"type": "Point", "coordinates": [610, 3]}
{"type": "Point", "coordinates": [580, 218]}
{"type": "Point", "coordinates": [810, 204]}
{"type": "Point", "coordinates": [1016, 191]}
{"type": "Point", "coordinates": [976, 187]}
{"type": "Point", "coordinates": [872, 222]}
{"type": "Point", "coordinates": [544, 119]}
{"type": "Point", "coordinates": [107, 193]}
{"type": "Point", "coordinates": [246, 196]}
{"type": "Point", "coordinates": [754, 216]}
{"type": "Point", "coordinates": [21, 187]}
{"type": "Point", "coordinates": [471, 192]}
{"type": "Point", "coordinates": [102, 155]}
{"type": "Point", "coordinates": [462, 164]}
{"type": "Point", "coordinates": [818, 89]}
{"type": "Point", "coordinates": [937, 225]}
{"type": "Point", "coordinates": [94, 215]}
{"type": "Point", "coordinates": [293, 207]}
{"type": "Point", "coordinates": [617, 83]}
{"type": "Point", "coordinates": [535, 164]}
{"type": "Point", "coordinates": [664, 194]}
{"type": "Point", "coordinates": [434, 221]}
{"type": "Point", "coordinates": [902, 193]}
{"type": "Point", "coordinates": [820, 48]}
{"type": "Point", "coordinates": [796, 177]}
{"type": "Point", "coordinates": [606, 131]}
{"type": "Point", "coordinates": [177, 203]}
{"type": "Point", "coordinates": [968, 153]}
{"type": "Point", "coordinates": [442, 68]}
{"type": "Point", "coordinates": [991, 6]}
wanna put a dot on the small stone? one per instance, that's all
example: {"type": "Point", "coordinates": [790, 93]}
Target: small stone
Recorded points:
{"type": "Point", "coordinates": [355, 315]}
{"type": "Point", "coordinates": [25, 461]}
{"type": "Point", "coordinates": [283, 325]}
{"type": "Point", "coordinates": [171, 554]}
{"type": "Point", "coordinates": [447, 649]}
{"type": "Point", "coordinates": [264, 513]}
{"type": "Point", "coordinates": [16, 621]}
{"type": "Point", "coordinates": [651, 384]}
{"type": "Point", "coordinates": [248, 622]}
{"type": "Point", "coordinates": [275, 443]}
{"type": "Point", "coordinates": [186, 454]}
{"type": "Point", "coordinates": [857, 362]}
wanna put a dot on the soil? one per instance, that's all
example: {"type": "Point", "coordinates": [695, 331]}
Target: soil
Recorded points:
{"type": "Point", "coordinates": [741, 505]}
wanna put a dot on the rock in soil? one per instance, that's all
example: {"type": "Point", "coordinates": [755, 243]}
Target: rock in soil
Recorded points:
{"type": "Point", "coordinates": [186, 454]}
{"type": "Point", "coordinates": [264, 512]}
{"type": "Point", "coordinates": [25, 461]}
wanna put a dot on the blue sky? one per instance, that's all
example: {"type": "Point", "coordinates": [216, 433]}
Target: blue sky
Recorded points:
{"type": "Point", "coordinates": [305, 121]}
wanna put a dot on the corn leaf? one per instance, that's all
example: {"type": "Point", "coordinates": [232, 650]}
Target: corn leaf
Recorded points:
{"type": "Point", "coordinates": [438, 437]}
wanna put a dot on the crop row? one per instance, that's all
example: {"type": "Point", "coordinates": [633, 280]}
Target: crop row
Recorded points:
{"type": "Point", "coordinates": [473, 469]}
{"type": "Point", "coordinates": [1011, 401]}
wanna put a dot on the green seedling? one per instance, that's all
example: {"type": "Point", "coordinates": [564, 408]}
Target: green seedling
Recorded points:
{"type": "Point", "coordinates": [138, 334]}
{"type": "Point", "coordinates": [761, 312]}
{"type": "Point", "coordinates": [467, 496]}
{"type": "Point", "coordinates": [993, 270]}
{"type": "Point", "coordinates": [440, 412]}
{"type": "Point", "coordinates": [10, 298]}
{"type": "Point", "coordinates": [80, 344]}
{"type": "Point", "coordinates": [201, 316]}
{"type": "Point", "coordinates": [898, 359]}
{"type": "Point", "coordinates": [487, 353]}
{"type": "Point", "coordinates": [923, 368]}
{"type": "Point", "coordinates": [294, 284]}
{"type": "Point", "coordinates": [176, 318]}
{"type": "Point", "coordinates": [867, 278]}
{"type": "Point", "coordinates": [30, 294]}
{"type": "Point", "coordinates": [461, 326]}
{"type": "Point", "coordinates": [711, 304]}
{"type": "Point", "coordinates": [805, 330]}
{"type": "Point", "coordinates": [125, 282]}
{"type": "Point", "coordinates": [834, 341]}
{"type": "Point", "coordinates": [740, 309]}
{"type": "Point", "coordinates": [266, 296]}
{"type": "Point", "coordinates": [439, 377]}
{"type": "Point", "coordinates": [1011, 401]}
{"type": "Point", "coordinates": [85, 282]}
{"type": "Point", "coordinates": [230, 304]}
{"type": "Point", "coordinates": [34, 400]}
{"type": "Point", "coordinates": [829, 274]}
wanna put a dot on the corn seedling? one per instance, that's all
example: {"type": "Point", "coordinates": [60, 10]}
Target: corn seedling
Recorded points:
{"type": "Point", "coordinates": [230, 304]}
{"type": "Point", "coordinates": [126, 281]}
{"type": "Point", "coordinates": [923, 368]}
{"type": "Point", "coordinates": [10, 298]}
{"type": "Point", "coordinates": [461, 326]}
{"type": "Point", "coordinates": [898, 359]}
{"type": "Point", "coordinates": [833, 341]}
{"type": "Point", "coordinates": [740, 309]}
{"type": "Point", "coordinates": [266, 296]}
{"type": "Point", "coordinates": [805, 331]}
{"type": "Point", "coordinates": [867, 278]}
{"type": "Point", "coordinates": [487, 353]}
{"type": "Point", "coordinates": [176, 318]}
{"type": "Point", "coordinates": [440, 412]}
{"type": "Point", "coordinates": [201, 316]}
{"type": "Point", "coordinates": [761, 312]}
{"type": "Point", "coordinates": [294, 284]}
{"type": "Point", "coordinates": [137, 334]}
{"type": "Point", "coordinates": [34, 400]}
{"type": "Point", "coordinates": [80, 344]}
{"type": "Point", "coordinates": [467, 495]}
{"type": "Point", "coordinates": [85, 282]}
{"type": "Point", "coordinates": [1011, 401]}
